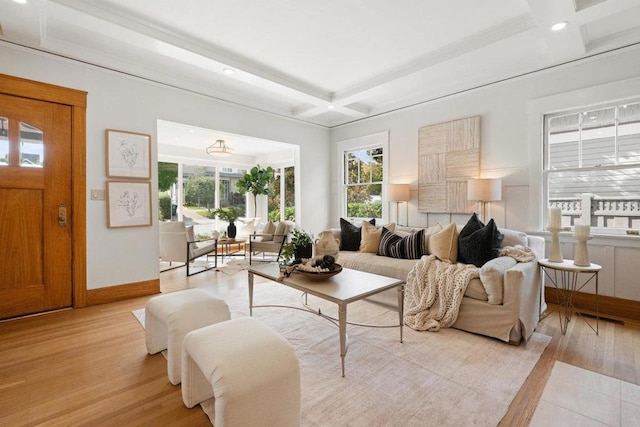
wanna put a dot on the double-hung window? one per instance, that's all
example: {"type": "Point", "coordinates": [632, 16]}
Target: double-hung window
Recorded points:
{"type": "Point", "coordinates": [363, 179]}
{"type": "Point", "coordinates": [592, 167]}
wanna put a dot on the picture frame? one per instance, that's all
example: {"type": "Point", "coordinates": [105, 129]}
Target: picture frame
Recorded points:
{"type": "Point", "coordinates": [128, 154]}
{"type": "Point", "coordinates": [128, 204]}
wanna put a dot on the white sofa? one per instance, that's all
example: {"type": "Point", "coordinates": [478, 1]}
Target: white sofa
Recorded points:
{"type": "Point", "coordinates": [509, 317]}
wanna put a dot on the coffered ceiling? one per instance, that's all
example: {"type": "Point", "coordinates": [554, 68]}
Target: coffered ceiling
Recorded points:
{"type": "Point", "coordinates": [325, 62]}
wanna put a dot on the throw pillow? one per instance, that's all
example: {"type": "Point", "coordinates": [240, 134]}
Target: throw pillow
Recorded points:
{"type": "Point", "coordinates": [444, 244]}
{"type": "Point", "coordinates": [428, 232]}
{"type": "Point", "coordinates": [492, 277]}
{"type": "Point", "coordinates": [514, 238]}
{"type": "Point", "coordinates": [281, 231]}
{"type": "Point", "coordinates": [350, 235]}
{"type": "Point", "coordinates": [371, 236]}
{"type": "Point", "coordinates": [478, 243]}
{"type": "Point", "coordinates": [394, 246]}
{"type": "Point", "coordinates": [268, 231]}
{"type": "Point", "coordinates": [246, 226]}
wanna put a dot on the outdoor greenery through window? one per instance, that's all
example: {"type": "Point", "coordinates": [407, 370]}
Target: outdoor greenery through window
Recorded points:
{"type": "Point", "coordinates": [275, 188]}
{"type": "Point", "coordinates": [363, 182]}
{"type": "Point", "coordinates": [199, 195]}
{"type": "Point", "coordinates": [592, 167]}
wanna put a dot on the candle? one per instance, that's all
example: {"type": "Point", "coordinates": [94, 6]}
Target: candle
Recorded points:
{"type": "Point", "coordinates": [582, 230]}
{"type": "Point", "coordinates": [555, 218]}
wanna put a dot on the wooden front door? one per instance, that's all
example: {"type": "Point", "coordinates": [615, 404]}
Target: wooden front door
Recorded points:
{"type": "Point", "coordinates": [35, 206]}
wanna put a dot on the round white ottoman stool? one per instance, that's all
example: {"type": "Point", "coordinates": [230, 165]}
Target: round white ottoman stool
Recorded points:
{"type": "Point", "coordinates": [168, 318]}
{"type": "Point", "coordinates": [252, 372]}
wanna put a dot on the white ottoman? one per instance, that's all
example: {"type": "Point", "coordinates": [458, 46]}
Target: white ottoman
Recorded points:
{"type": "Point", "coordinates": [168, 318]}
{"type": "Point", "coordinates": [251, 370]}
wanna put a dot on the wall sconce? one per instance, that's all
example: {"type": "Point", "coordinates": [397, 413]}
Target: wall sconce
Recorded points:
{"type": "Point", "coordinates": [484, 191]}
{"type": "Point", "coordinates": [398, 193]}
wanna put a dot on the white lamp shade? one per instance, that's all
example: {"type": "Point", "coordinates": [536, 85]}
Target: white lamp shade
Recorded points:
{"type": "Point", "coordinates": [398, 193]}
{"type": "Point", "coordinates": [484, 190]}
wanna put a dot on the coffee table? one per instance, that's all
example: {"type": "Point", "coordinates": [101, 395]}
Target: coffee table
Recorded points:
{"type": "Point", "coordinates": [346, 287]}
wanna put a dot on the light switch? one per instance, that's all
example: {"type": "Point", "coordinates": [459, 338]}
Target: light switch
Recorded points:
{"type": "Point", "coordinates": [97, 194]}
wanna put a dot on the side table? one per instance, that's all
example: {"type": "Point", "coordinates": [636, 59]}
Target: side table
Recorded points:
{"type": "Point", "coordinates": [230, 248]}
{"type": "Point", "coordinates": [564, 276]}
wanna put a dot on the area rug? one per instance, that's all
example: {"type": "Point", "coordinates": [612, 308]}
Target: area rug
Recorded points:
{"type": "Point", "coordinates": [446, 378]}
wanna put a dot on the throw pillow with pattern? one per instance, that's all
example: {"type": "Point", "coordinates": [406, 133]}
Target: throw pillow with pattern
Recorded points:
{"type": "Point", "coordinates": [394, 246]}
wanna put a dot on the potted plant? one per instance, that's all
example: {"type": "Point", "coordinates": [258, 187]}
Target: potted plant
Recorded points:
{"type": "Point", "coordinates": [229, 215]}
{"type": "Point", "coordinates": [256, 182]}
{"type": "Point", "coordinates": [300, 246]}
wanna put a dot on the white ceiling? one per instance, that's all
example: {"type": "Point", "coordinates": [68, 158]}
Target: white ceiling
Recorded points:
{"type": "Point", "coordinates": [181, 140]}
{"type": "Point", "coordinates": [295, 58]}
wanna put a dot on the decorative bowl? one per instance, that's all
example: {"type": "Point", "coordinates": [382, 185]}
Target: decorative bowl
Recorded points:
{"type": "Point", "coordinates": [319, 277]}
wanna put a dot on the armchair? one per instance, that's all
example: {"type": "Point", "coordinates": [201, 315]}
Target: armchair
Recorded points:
{"type": "Point", "coordinates": [178, 243]}
{"type": "Point", "coordinates": [270, 243]}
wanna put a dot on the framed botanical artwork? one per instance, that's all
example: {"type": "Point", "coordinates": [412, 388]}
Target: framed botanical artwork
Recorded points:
{"type": "Point", "coordinates": [128, 154]}
{"type": "Point", "coordinates": [128, 204]}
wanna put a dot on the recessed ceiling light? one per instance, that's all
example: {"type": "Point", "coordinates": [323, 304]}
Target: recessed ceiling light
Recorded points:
{"type": "Point", "coordinates": [331, 106]}
{"type": "Point", "coordinates": [191, 131]}
{"type": "Point", "coordinates": [559, 26]}
{"type": "Point", "coordinates": [20, 1]}
{"type": "Point", "coordinates": [229, 71]}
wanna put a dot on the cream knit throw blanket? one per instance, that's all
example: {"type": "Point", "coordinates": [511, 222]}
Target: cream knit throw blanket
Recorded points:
{"type": "Point", "coordinates": [434, 291]}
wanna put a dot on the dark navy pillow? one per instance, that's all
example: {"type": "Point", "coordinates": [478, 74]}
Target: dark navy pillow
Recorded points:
{"type": "Point", "coordinates": [350, 235]}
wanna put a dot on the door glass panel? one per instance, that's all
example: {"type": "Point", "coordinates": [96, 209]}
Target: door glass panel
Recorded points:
{"type": "Point", "coordinates": [31, 146]}
{"type": "Point", "coordinates": [4, 141]}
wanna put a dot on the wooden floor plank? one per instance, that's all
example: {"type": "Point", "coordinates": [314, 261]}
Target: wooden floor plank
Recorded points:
{"type": "Point", "coordinates": [89, 366]}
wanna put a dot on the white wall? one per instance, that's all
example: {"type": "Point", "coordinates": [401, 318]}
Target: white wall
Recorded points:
{"type": "Point", "coordinates": [116, 101]}
{"type": "Point", "coordinates": [511, 147]}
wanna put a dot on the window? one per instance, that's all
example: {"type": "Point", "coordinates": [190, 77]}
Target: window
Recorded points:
{"type": "Point", "coordinates": [363, 178]}
{"type": "Point", "coordinates": [4, 141]}
{"type": "Point", "coordinates": [592, 167]}
{"type": "Point", "coordinates": [30, 147]}
{"type": "Point", "coordinates": [279, 208]}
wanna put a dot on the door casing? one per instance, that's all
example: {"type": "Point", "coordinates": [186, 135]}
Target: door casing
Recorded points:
{"type": "Point", "coordinates": [77, 100]}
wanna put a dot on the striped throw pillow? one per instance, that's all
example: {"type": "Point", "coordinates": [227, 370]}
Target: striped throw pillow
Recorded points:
{"type": "Point", "coordinates": [394, 246]}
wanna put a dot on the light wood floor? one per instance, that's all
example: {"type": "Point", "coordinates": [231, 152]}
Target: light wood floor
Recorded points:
{"type": "Point", "coordinates": [89, 366]}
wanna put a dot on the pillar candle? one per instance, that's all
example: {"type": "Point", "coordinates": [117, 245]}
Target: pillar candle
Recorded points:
{"type": "Point", "coordinates": [582, 230]}
{"type": "Point", "coordinates": [555, 218]}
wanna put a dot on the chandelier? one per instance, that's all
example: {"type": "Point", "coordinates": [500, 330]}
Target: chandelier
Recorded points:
{"type": "Point", "coordinates": [219, 148]}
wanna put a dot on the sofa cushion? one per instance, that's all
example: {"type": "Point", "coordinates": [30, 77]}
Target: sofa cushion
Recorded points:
{"type": "Point", "coordinates": [513, 238]}
{"type": "Point", "coordinates": [398, 269]}
{"type": "Point", "coordinates": [394, 246]}
{"type": "Point", "coordinates": [444, 244]}
{"type": "Point", "coordinates": [372, 263]}
{"type": "Point", "coordinates": [350, 235]}
{"type": "Point", "coordinates": [371, 236]}
{"type": "Point", "coordinates": [478, 243]}
{"type": "Point", "coordinates": [492, 277]}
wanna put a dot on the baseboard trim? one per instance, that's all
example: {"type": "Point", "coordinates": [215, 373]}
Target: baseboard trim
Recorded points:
{"type": "Point", "coordinates": [122, 292]}
{"type": "Point", "coordinates": [608, 307]}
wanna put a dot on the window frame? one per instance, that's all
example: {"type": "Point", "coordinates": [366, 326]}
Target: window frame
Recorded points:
{"type": "Point", "coordinates": [378, 140]}
{"type": "Point", "coordinates": [582, 126]}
